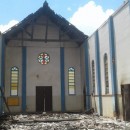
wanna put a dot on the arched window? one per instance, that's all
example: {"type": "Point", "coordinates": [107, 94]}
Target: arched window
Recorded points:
{"type": "Point", "coordinates": [93, 76]}
{"type": "Point", "coordinates": [14, 81]}
{"type": "Point", "coordinates": [106, 73]}
{"type": "Point", "coordinates": [71, 82]}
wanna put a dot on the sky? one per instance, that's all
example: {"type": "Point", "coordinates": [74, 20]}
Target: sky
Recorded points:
{"type": "Point", "coordinates": [86, 15]}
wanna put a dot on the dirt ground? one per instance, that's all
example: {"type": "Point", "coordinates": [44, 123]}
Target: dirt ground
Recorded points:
{"type": "Point", "coordinates": [62, 121]}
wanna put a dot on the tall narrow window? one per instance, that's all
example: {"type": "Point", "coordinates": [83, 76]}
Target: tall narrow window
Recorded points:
{"type": "Point", "coordinates": [106, 74]}
{"type": "Point", "coordinates": [14, 81]}
{"type": "Point", "coordinates": [93, 76]}
{"type": "Point", "coordinates": [71, 83]}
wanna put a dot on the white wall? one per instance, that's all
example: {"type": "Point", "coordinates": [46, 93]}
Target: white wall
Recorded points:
{"type": "Point", "coordinates": [92, 56]}
{"type": "Point", "coordinates": [13, 57]}
{"type": "Point", "coordinates": [105, 48]}
{"type": "Point", "coordinates": [121, 21]}
{"type": "Point", "coordinates": [122, 41]}
{"type": "Point", "coordinates": [45, 75]}
{"type": "Point", "coordinates": [72, 59]}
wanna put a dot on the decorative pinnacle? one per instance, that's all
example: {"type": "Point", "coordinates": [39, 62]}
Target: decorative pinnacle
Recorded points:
{"type": "Point", "coordinates": [45, 4]}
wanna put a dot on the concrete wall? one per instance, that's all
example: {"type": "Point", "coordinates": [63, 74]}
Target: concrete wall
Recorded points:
{"type": "Point", "coordinates": [122, 41]}
{"type": "Point", "coordinates": [121, 23]}
{"type": "Point", "coordinates": [13, 57]}
{"type": "Point", "coordinates": [92, 56]}
{"type": "Point", "coordinates": [91, 47]}
{"type": "Point", "coordinates": [72, 59]}
{"type": "Point", "coordinates": [104, 48]}
{"type": "Point", "coordinates": [45, 75]}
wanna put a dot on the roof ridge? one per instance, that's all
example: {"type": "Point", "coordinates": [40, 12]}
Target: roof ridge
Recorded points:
{"type": "Point", "coordinates": [59, 20]}
{"type": "Point", "coordinates": [45, 4]}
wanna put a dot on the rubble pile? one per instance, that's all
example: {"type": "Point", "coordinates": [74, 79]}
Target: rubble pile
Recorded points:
{"type": "Point", "coordinates": [63, 121]}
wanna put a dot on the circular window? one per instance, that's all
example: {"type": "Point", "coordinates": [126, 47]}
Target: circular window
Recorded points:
{"type": "Point", "coordinates": [43, 58]}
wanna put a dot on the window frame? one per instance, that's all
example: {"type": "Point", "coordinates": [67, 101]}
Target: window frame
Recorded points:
{"type": "Point", "coordinates": [106, 75]}
{"type": "Point", "coordinates": [74, 87]}
{"type": "Point", "coordinates": [40, 57]}
{"type": "Point", "coordinates": [11, 80]}
{"type": "Point", "coordinates": [93, 77]}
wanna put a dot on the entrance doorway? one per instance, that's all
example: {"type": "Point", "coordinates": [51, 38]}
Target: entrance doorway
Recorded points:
{"type": "Point", "coordinates": [43, 98]}
{"type": "Point", "coordinates": [125, 90]}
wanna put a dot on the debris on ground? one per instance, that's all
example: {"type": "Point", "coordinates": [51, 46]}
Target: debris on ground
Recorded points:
{"type": "Point", "coordinates": [62, 121]}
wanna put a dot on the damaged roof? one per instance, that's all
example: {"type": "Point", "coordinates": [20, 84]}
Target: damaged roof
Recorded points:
{"type": "Point", "coordinates": [61, 22]}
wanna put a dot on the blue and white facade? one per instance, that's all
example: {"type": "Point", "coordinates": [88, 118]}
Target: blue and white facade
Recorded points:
{"type": "Point", "coordinates": [82, 72]}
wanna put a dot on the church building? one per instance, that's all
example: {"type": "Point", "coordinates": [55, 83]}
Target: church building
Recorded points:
{"type": "Point", "coordinates": [47, 64]}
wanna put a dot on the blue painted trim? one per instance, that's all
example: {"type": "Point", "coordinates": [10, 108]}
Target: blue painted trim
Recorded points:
{"type": "Point", "coordinates": [98, 72]}
{"type": "Point", "coordinates": [129, 4]}
{"type": "Point", "coordinates": [62, 79]}
{"type": "Point", "coordinates": [88, 104]}
{"type": "Point", "coordinates": [113, 64]}
{"type": "Point", "coordinates": [2, 71]}
{"type": "Point", "coordinates": [3, 62]}
{"type": "Point", "coordinates": [24, 56]}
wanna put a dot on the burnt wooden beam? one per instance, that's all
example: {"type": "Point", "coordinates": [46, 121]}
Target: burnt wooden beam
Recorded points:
{"type": "Point", "coordinates": [48, 40]}
{"type": "Point", "coordinates": [28, 33]}
{"type": "Point", "coordinates": [46, 30]}
{"type": "Point", "coordinates": [21, 30]}
{"type": "Point", "coordinates": [59, 35]}
{"type": "Point", "coordinates": [22, 38]}
{"type": "Point", "coordinates": [44, 24]}
{"type": "Point", "coordinates": [32, 29]}
{"type": "Point", "coordinates": [45, 120]}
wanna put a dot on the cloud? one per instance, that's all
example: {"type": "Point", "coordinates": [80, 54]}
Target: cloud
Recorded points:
{"type": "Point", "coordinates": [89, 17]}
{"type": "Point", "coordinates": [69, 9]}
{"type": "Point", "coordinates": [5, 27]}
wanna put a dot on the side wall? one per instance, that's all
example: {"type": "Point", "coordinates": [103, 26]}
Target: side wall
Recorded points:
{"type": "Point", "coordinates": [121, 25]}
{"type": "Point", "coordinates": [43, 75]}
{"type": "Point", "coordinates": [121, 22]}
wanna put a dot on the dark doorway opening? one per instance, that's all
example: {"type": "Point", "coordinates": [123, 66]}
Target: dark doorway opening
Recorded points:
{"type": "Point", "coordinates": [43, 98]}
{"type": "Point", "coordinates": [125, 90]}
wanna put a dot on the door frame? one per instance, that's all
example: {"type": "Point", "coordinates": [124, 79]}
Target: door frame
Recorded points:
{"type": "Point", "coordinates": [123, 102]}
{"type": "Point", "coordinates": [44, 95]}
